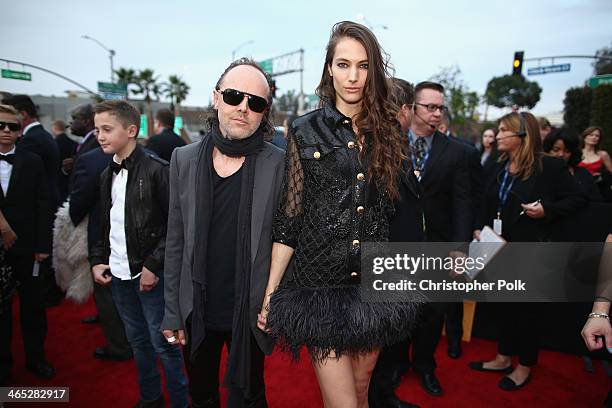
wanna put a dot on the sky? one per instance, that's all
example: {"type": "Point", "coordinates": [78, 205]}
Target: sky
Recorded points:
{"type": "Point", "coordinates": [195, 39]}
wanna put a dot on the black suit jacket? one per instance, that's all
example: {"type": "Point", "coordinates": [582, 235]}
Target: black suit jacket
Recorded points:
{"type": "Point", "coordinates": [85, 194]}
{"type": "Point", "coordinates": [447, 192]}
{"type": "Point", "coordinates": [67, 149]}
{"type": "Point", "coordinates": [37, 140]}
{"type": "Point", "coordinates": [26, 205]}
{"type": "Point", "coordinates": [164, 144]}
{"type": "Point", "coordinates": [90, 144]}
{"type": "Point", "coordinates": [552, 183]}
{"type": "Point", "coordinates": [406, 225]}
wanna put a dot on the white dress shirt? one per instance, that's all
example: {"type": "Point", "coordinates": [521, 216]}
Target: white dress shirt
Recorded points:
{"type": "Point", "coordinates": [5, 172]}
{"type": "Point", "coordinates": [118, 260]}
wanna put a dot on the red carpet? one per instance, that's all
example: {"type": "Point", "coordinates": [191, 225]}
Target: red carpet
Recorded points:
{"type": "Point", "coordinates": [558, 381]}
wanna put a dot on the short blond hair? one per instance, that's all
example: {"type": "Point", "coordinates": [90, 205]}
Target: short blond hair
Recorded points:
{"type": "Point", "coordinates": [11, 111]}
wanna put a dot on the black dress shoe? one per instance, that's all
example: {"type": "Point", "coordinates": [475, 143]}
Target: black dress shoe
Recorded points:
{"type": "Point", "coordinates": [391, 401]}
{"type": "Point", "coordinates": [158, 403]}
{"type": "Point", "coordinates": [431, 384]}
{"type": "Point", "coordinates": [479, 366]}
{"type": "Point", "coordinates": [103, 354]}
{"type": "Point", "coordinates": [42, 370]}
{"type": "Point", "coordinates": [454, 349]}
{"type": "Point", "coordinates": [507, 384]}
{"type": "Point", "coordinates": [91, 319]}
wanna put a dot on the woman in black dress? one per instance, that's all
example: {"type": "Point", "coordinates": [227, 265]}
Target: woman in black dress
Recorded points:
{"type": "Point", "coordinates": [343, 166]}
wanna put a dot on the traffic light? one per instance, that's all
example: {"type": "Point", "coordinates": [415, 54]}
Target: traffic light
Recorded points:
{"type": "Point", "coordinates": [273, 89]}
{"type": "Point", "coordinates": [517, 64]}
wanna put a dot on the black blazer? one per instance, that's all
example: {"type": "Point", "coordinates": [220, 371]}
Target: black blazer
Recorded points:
{"type": "Point", "coordinates": [552, 183]}
{"type": "Point", "coordinates": [164, 144]}
{"type": "Point", "coordinates": [85, 194]}
{"type": "Point", "coordinates": [27, 206]}
{"type": "Point", "coordinates": [40, 142]}
{"type": "Point", "coordinates": [89, 145]}
{"type": "Point", "coordinates": [67, 149]}
{"type": "Point", "coordinates": [406, 224]}
{"type": "Point", "coordinates": [447, 191]}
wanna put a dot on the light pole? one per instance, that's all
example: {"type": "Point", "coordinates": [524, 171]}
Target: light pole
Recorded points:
{"type": "Point", "coordinates": [111, 54]}
{"type": "Point", "coordinates": [361, 17]}
{"type": "Point", "coordinates": [239, 47]}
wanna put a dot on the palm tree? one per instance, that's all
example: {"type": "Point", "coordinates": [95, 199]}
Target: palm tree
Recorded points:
{"type": "Point", "coordinates": [126, 76]}
{"type": "Point", "coordinates": [147, 85]}
{"type": "Point", "coordinates": [177, 91]}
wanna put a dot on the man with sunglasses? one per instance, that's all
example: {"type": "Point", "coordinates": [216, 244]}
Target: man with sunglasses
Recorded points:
{"type": "Point", "coordinates": [223, 196]}
{"type": "Point", "coordinates": [26, 205]}
{"type": "Point", "coordinates": [442, 167]}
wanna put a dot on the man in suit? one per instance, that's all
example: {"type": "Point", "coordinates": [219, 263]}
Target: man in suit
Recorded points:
{"type": "Point", "coordinates": [165, 140]}
{"type": "Point", "coordinates": [85, 201]}
{"type": "Point", "coordinates": [442, 167]}
{"type": "Point", "coordinates": [216, 273]}
{"type": "Point", "coordinates": [25, 203]}
{"type": "Point", "coordinates": [37, 140]}
{"type": "Point", "coordinates": [405, 226]}
{"type": "Point", "coordinates": [82, 124]}
{"type": "Point", "coordinates": [67, 148]}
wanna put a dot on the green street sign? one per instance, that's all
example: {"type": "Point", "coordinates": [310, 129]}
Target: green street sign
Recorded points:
{"type": "Point", "coordinates": [178, 125]}
{"type": "Point", "coordinates": [143, 127]}
{"type": "Point", "coordinates": [10, 74]}
{"type": "Point", "coordinates": [599, 80]}
{"type": "Point", "coordinates": [110, 88]}
{"type": "Point", "coordinates": [266, 65]}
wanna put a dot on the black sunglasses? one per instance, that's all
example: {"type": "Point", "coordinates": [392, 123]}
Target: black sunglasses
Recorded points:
{"type": "Point", "coordinates": [234, 98]}
{"type": "Point", "coordinates": [13, 127]}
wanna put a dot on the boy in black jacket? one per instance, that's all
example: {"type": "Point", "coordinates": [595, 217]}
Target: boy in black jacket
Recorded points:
{"type": "Point", "coordinates": [134, 211]}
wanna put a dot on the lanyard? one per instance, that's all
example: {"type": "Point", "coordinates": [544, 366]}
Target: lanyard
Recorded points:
{"type": "Point", "coordinates": [503, 191]}
{"type": "Point", "coordinates": [420, 168]}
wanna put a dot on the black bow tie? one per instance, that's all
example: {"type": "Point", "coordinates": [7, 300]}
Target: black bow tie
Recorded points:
{"type": "Point", "coordinates": [117, 167]}
{"type": "Point", "coordinates": [9, 158]}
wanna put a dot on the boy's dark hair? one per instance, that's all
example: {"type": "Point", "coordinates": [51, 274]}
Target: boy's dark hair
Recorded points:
{"type": "Point", "coordinates": [402, 92]}
{"type": "Point", "coordinates": [165, 117]}
{"type": "Point", "coordinates": [23, 103]}
{"type": "Point", "coordinates": [428, 85]}
{"type": "Point", "coordinates": [123, 111]}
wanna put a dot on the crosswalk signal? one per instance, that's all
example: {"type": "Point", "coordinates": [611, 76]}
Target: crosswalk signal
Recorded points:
{"type": "Point", "coordinates": [517, 64]}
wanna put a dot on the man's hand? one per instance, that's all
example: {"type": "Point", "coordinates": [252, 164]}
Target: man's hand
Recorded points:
{"type": "Point", "coordinates": [148, 280]}
{"type": "Point", "coordinates": [456, 255]}
{"type": "Point", "coordinates": [476, 235]}
{"type": "Point", "coordinates": [175, 336]}
{"type": "Point", "coordinates": [67, 165]}
{"type": "Point", "coordinates": [98, 274]}
{"type": "Point", "coordinates": [40, 257]}
{"type": "Point", "coordinates": [8, 236]}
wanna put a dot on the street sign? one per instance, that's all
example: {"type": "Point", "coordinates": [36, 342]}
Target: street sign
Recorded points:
{"type": "Point", "coordinates": [143, 127]}
{"type": "Point", "coordinates": [10, 74]}
{"type": "Point", "coordinates": [266, 65]}
{"type": "Point", "coordinates": [178, 124]}
{"type": "Point", "coordinates": [549, 69]}
{"type": "Point", "coordinates": [599, 80]}
{"type": "Point", "coordinates": [109, 90]}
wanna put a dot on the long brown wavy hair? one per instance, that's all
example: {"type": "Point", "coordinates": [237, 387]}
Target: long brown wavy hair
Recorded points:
{"type": "Point", "coordinates": [529, 156]}
{"type": "Point", "coordinates": [376, 121]}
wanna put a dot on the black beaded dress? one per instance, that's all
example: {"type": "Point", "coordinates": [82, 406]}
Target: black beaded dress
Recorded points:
{"type": "Point", "coordinates": [327, 210]}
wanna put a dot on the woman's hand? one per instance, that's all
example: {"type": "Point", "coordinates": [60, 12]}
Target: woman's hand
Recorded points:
{"type": "Point", "coordinates": [262, 317]}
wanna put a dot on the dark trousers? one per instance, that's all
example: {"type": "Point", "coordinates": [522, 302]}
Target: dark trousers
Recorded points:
{"type": "Point", "coordinates": [454, 322]}
{"type": "Point", "coordinates": [112, 326]}
{"type": "Point", "coordinates": [518, 334]}
{"type": "Point", "coordinates": [33, 317]}
{"type": "Point", "coordinates": [427, 336]}
{"type": "Point", "coordinates": [203, 372]}
{"type": "Point", "coordinates": [392, 363]}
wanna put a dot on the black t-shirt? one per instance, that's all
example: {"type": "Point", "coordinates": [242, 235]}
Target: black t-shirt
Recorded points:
{"type": "Point", "coordinates": [221, 253]}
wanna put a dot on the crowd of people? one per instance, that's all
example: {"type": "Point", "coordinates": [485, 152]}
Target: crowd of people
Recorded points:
{"type": "Point", "coordinates": [232, 241]}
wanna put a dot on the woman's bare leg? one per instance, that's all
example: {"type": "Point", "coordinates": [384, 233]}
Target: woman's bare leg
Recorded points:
{"type": "Point", "coordinates": [363, 365]}
{"type": "Point", "coordinates": [336, 381]}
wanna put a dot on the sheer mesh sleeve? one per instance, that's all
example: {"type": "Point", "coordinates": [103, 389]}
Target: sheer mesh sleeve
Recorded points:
{"type": "Point", "coordinates": [291, 204]}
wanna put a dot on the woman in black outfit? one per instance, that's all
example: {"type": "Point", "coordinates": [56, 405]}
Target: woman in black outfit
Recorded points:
{"type": "Point", "coordinates": [560, 144]}
{"type": "Point", "coordinates": [343, 167]}
{"type": "Point", "coordinates": [526, 191]}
